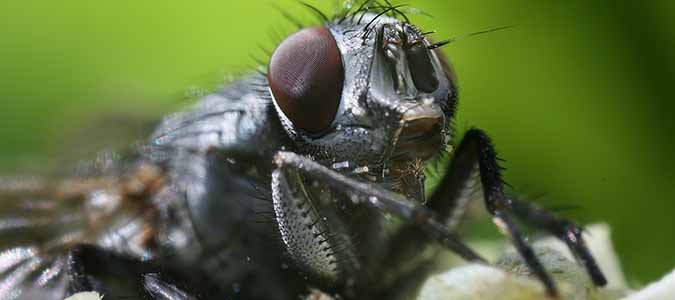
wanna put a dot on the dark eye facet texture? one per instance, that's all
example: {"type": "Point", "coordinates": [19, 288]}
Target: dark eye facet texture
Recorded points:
{"type": "Point", "coordinates": [421, 68]}
{"type": "Point", "coordinates": [306, 76]}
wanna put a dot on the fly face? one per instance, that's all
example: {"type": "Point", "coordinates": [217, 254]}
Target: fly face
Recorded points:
{"type": "Point", "coordinates": [371, 92]}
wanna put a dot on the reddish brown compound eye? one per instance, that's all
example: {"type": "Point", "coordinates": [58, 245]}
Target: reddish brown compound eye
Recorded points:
{"type": "Point", "coordinates": [305, 75]}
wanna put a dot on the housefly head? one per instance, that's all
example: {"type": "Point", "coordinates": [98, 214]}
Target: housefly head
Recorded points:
{"type": "Point", "coordinates": [369, 91]}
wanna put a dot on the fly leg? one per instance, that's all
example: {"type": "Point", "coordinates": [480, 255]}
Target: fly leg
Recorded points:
{"type": "Point", "coordinates": [90, 268]}
{"type": "Point", "coordinates": [312, 237]}
{"type": "Point", "coordinates": [565, 230]}
{"type": "Point", "coordinates": [376, 197]}
{"type": "Point", "coordinates": [476, 152]}
{"type": "Point", "coordinates": [459, 187]}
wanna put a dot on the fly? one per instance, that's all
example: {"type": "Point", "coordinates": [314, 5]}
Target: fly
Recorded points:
{"type": "Point", "coordinates": [282, 181]}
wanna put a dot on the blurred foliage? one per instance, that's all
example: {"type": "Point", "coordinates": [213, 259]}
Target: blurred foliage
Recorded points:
{"type": "Point", "coordinates": [577, 96]}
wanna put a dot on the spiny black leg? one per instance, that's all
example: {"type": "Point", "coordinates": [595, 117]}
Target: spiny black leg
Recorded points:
{"type": "Point", "coordinates": [476, 150]}
{"type": "Point", "coordinates": [477, 143]}
{"type": "Point", "coordinates": [305, 230]}
{"type": "Point", "coordinates": [565, 230]}
{"type": "Point", "coordinates": [460, 186]}
{"type": "Point", "coordinates": [504, 221]}
{"type": "Point", "coordinates": [378, 198]}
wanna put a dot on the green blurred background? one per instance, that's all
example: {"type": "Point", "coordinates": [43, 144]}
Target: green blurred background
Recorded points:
{"type": "Point", "coordinates": [578, 95]}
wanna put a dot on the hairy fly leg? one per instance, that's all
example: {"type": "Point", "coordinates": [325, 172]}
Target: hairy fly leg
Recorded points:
{"type": "Point", "coordinates": [460, 186]}
{"type": "Point", "coordinates": [565, 230]}
{"type": "Point", "coordinates": [376, 197]}
{"type": "Point", "coordinates": [477, 152]}
{"type": "Point", "coordinates": [313, 237]}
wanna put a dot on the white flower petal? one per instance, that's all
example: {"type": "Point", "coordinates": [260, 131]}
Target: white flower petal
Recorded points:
{"type": "Point", "coordinates": [85, 296]}
{"type": "Point", "coordinates": [663, 289]}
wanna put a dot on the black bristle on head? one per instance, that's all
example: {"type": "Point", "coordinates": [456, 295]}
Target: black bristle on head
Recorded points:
{"type": "Point", "coordinates": [396, 11]}
{"type": "Point", "coordinates": [374, 6]}
{"type": "Point", "coordinates": [289, 17]}
{"type": "Point", "coordinates": [367, 29]}
{"type": "Point", "coordinates": [490, 30]}
{"type": "Point", "coordinates": [322, 17]}
{"type": "Point", "coordinates": [358, 10]}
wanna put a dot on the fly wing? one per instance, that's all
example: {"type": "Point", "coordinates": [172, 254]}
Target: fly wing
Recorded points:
{"type": "Point", "coordinates": [42, 219]}
{"type": "Point", "coordinates": [106, 130]}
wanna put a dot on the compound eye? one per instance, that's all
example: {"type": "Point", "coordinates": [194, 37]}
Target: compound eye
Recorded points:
{"type": "Point", "coordinates": [421, 68]}
{"type": "Point", "coordinates": [305, 75]}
